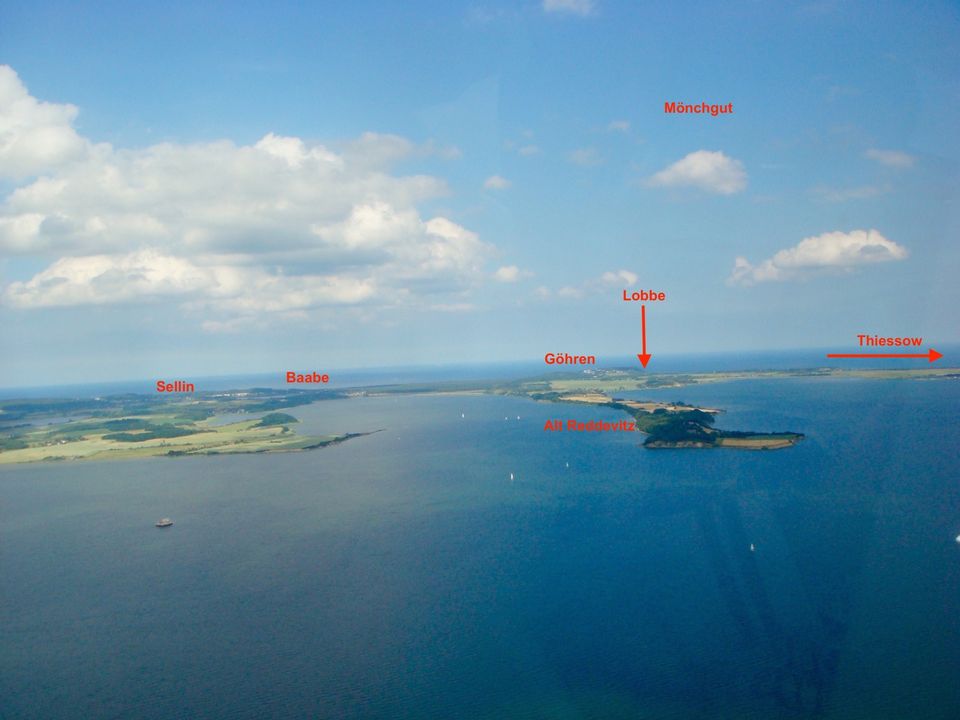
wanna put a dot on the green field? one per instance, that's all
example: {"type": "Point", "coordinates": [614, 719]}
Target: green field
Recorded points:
{"type": "Point", "coordinates": [153, 436]}
{"type": "Point", "coordinates": [609, 381]}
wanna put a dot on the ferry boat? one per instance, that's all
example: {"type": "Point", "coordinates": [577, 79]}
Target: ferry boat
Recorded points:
{"type": "Point", "coordinates": [164, 522]}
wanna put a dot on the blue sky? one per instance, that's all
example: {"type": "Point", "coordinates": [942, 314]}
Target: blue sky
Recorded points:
{"type": "Point", "coordinates": [190, 189]}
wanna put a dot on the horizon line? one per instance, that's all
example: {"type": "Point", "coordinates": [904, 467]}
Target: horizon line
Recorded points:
{"type": "Point", "coordinates": [608, 364]}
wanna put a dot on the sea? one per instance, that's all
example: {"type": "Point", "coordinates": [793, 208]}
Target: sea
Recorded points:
{"type": "Point", "coordinates": [463, 562]}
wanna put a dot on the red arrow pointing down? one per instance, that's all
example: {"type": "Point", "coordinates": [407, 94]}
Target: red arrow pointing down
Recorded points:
{"type": "Point", "coordinates": [644, 356]}
{"type": "Point", "coordinates": [931, 355]}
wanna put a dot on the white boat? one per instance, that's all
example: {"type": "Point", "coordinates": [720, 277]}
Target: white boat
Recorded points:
{"type": "Point", "coordinates": [511, 477]}
{"type": "Point", "coordinates": [164, 522]}
{"type": "Point", "coordinates": [752, 547]}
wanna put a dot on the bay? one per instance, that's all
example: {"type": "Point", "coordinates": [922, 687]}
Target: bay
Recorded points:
{"type": "Point", "coordinates": [404, 575]}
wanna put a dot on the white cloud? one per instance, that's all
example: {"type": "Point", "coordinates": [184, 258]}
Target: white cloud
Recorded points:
{"type": "Point", "coordinates": [833, 250]}
{"type": "Point", "coordinates": [34, 136]}
{"type": "Point", "coordinates": [281, 225]}
{"type": "Point", "coordinates": [149, 274]}
{"type": "Point", "coordinates": [453, 307]}
{"type": "Point", "coordinates": [481, 15]}
{"type": "Point", "coordinates": [619, 277]}
{"type": "Point", "coordinates": [571, 7]}
{"type": "Point", "coordinates": [585, 157]}
{"type": "Point", "coordinates": [705, 169]}
{"type": "Point", "coordinates": [568, 291]}
{"type": "Point", "coordinates": [444, 152]}
{"type": "Point", "coordinates": [376, 151]}
{"type": "Point", "coordinates": [619, 126]}
{"type": "Point", "coordinates": [890, 158]}
{"type": "Point", "coordinates": [528, 150]}
{"type": "Point", "coordinates": [495, 182]}
{"type": "Point", "coordinates": [862, 192]}
{"type": "Point", "coordinates": [605, 283]}
{"type": "Point", "coordinates": [510, 274]}
{"type": "Point", "coordinates": [106, 278]}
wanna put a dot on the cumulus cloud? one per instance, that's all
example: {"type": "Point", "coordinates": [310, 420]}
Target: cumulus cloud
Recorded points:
{"type": "Point", "coordinates": [618, 277]}
{"type": "Point", "coordinates": [606, 282]}
{"type": "Point", "coordinates": [833, 250]}
{"type": "Point", "coordinates": [495, 182]}
{"type": "Point", "coordinates": [510, 274]}
{"type": "Point", "coordinates": [528, 150]}
{"type": "Point", "coordinates": [569, 7]}
{"type": "Point", "coordinates": [277, 225]}
{"type": "Point", "coordinates": [618, 126]}
{"type": "Point", "coordinates": [585, 157]}
{"type": "Point", "coordinates": [890, 158]}
{"type": "Point", "coordinates": [34, 136]}
{"type": "Point", "coordinates": [105, 278]}
{"type": "Point", "coordinates": [705, 169]}
{"type": "Point", "coordinates": [149, 274]}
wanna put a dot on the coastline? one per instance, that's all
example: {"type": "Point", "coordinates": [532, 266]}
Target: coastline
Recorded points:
{"type": "Point", "coordinates": [137, 426]}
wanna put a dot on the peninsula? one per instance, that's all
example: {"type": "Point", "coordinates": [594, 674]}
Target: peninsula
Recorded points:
{"type": "Point", "coordinates": [678, 425]}
{"type": "Point", "coordinates": [666, 425]}
{"type": "Point", "coordinates": [669, 425]}
{"type": "Point", "coordinates": [138, 426]}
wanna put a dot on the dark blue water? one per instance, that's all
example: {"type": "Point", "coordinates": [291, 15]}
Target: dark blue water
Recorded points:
{"type": "Point", "coordinates": [403, 575]}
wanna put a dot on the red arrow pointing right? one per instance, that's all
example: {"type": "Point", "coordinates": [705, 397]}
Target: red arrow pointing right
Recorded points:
{"type": "Point", "coordinates": [931, 355]}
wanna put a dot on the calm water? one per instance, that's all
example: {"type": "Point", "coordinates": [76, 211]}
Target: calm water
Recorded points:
{"type": "Point", "coordinates": [403, 575]}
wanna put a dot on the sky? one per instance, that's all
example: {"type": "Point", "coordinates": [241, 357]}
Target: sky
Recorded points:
{"type": "Point", "coordinates": [192, 189]}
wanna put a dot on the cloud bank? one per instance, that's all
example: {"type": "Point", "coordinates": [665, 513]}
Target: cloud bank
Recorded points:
{"type": "Point", "coordinates": [833, 250]}
{"type": "Point", "coordinates": [279, 225]}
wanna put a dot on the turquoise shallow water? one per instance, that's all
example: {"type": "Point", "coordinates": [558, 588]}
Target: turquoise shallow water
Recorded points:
{"type": "Point", "coordinates": [403, 575]}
